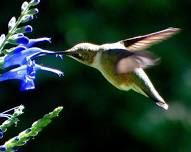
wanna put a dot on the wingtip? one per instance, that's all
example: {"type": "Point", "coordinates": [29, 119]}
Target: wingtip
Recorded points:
{"type": "Point", "coordinates": [163, 105]}
{"type": "Point", "coordinates": [174, 29]}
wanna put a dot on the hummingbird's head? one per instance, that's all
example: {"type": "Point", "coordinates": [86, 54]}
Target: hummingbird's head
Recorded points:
{"type": "Point", "coordinates": [83, 52]}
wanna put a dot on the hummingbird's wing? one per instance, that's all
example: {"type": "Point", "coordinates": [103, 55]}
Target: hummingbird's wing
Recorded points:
{"type": "Point", "coordinates": [145, 41]}
{"type": "Point", "coordinates": [139, 59]}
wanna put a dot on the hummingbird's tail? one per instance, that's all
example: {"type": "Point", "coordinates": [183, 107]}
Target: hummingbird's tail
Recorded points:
{"type": "Point", "coordinates": [144, 86]}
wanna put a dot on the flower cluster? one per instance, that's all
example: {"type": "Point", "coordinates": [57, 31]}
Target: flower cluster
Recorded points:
{"type": "Point", "coordinates": [18, 62]}
{"type": "Point", "coordinates": [11, 116]}
{"type": "Point", "coordinates": [23, 137]}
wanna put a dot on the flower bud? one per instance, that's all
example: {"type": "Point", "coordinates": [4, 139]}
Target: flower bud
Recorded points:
{"type": "Point", "coordinates": [33, 11]}
{"type": "Point", "coordinates": [26, 18]}
{"type": "Point", "coordinates": [1, 133]}
{"type": "Point", "coordinates": [28, 29]}
{"type": "Point", "coordinates": [24, 29]}
{"type": "Point", "coordinates": [2, 61]}
{"type": "Point", "coordinates": [34, 2]}
{"type": "Point", "coordinates": [2, 38]}
{"type": "Point", "coordinates": [24, 6]}
{"type": "Point", "coordinates": [12, 23]}
{"type": "Point", "coordinates": [16, 138]}
{"type": "Point", "coordinates": [3, 148]}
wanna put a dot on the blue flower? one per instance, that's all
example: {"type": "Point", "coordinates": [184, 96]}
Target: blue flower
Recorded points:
{"type": "Point", "coordinates": [32, 42]}
{"type": "Point", "coordinates": [23, 58]}
{"type": "Point", "coordinates": [26, 73]}
{"type": "Point", "coordinates": [22, 52]}
{"type": "Point", "coordinates": [21, 55]}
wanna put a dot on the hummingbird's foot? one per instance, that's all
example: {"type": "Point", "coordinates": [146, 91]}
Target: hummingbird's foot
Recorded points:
{"type": "Point", "coordinates": [163, 105]}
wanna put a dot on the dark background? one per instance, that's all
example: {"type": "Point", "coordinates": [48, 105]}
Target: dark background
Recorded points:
{"type": "Point", "coordinates": [96, 115]}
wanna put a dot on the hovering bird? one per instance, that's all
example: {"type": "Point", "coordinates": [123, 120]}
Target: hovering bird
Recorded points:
{"type": "Point", "coordinates": [122, 63]}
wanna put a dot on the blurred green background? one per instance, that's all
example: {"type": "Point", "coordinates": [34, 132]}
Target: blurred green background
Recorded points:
{"type": "Point", "coordinates": [97, 116]}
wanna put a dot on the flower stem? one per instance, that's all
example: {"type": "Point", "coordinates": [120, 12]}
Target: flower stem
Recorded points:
{"type": "Point", "coordinates": [12, 31]}
{"type": "Point", "coordinates": [23, 137]}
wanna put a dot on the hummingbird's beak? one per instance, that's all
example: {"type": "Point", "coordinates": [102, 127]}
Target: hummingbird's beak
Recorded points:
{"type": "Point", "coordinates": [65, 52]}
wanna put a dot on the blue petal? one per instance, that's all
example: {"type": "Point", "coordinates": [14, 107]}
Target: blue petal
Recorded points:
{"type": "Point", "coordinates": [18, 49]}
{"type": "Point", "coordinates": [36, 41]}
{"type": "Point", "coordinates": [21, 56]}
{"type": "Point", "coordinates": [31, 70]}
{"type": "Point", "coordinates": [25, 73]}
{"type": "Point", "coordinates": [58, 72]}
{"type": "Point", "coordinates": [17, 73]}
{"type": "Point", "coordinates": [27, 84]}
{"type": "Point", "coordinates": [22, 40]}
{"type": "Point", "coordinates": [20, 72]}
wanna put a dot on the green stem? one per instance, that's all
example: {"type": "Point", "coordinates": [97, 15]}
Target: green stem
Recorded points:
{"type": "Point", "coordinates": [22, 138]}
{"type": "Point", "coordinates": [12, 31]}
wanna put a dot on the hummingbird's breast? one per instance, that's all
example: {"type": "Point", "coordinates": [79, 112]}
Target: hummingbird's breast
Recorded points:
{"type": "Point", "coordinates": [106, 64]}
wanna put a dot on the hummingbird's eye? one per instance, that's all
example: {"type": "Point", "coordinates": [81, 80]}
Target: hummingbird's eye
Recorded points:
{"type": "Point", "coordinates": [77, 55]}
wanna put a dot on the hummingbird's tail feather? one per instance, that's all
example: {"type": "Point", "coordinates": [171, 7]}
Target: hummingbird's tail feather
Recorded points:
{"type": "Point", "coordinates": [163, 105]}
{"type": "Point", "coordinates": [144, 86]}
{"type": "Point", "coordinates": [158, 99]}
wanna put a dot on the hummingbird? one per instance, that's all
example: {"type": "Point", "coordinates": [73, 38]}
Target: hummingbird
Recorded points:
{"type": "Point", "coordinates": [122, 63]}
